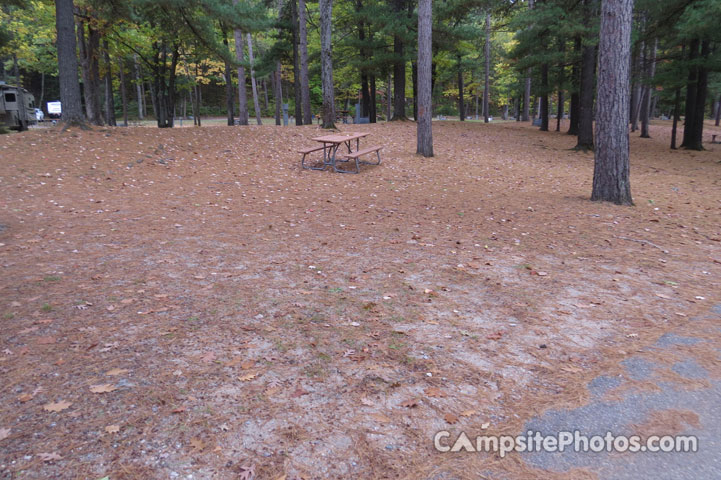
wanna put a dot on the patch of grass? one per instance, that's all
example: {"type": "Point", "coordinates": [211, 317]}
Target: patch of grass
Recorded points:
{"type": "Point", "coordinates": [51, 278]}
{"type": "Point", "coordinates": [396, 346]}
{"type": "Point", "coordinates": [9, 316]}
{"type": "Point", "coordinates": [47, 307]}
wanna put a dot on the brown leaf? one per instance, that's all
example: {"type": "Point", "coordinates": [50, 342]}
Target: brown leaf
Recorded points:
{"type": "Point", "coordinates": [49, 457]}
{"type": "Point", "coordinates": [379, 417]}
{"type": "Point", "coordinates": [57, 407]}
{"type": "Point", "coordinates": [411, 403]}
{"type": "Point", "coordinates": [450, 418]}
{"type": "Point", "coordinates": [435, 392]}
{"type": "Point", "coordinates": [247, 377]}
{"type": "Point", "coordinates": [468, 413]}
{"type": "Point", "coordinates": [197, 444]}
{"type": "Point", "coordinates": [4, 433]}
{"type": "Point", "coordinates": [116, 371]}
{"type": "Point", "coordinates": [495, 336]}
{"type": "Point", "coordinates": [247, 473]}
{"type": "Point", "coordinates": [104, 388]}
{"type": "Point", "coordinates": [208, 357]}
{"type": "Point", "coordinates": [299, 392]}
{"type": "Point", "coordinates": [45, 340]}
{"type": "Point", "coordinates": [112, 428]}
{"type": "Point", "coordinates": [247, 365]}
{"type": "Point", "coordinates": [25, 397]}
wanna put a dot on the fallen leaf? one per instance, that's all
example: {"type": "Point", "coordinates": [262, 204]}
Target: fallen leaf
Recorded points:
{"type": "Point", "coordinates": [485, 426]}
{"type": "Point", "coordinates": [450, 418]}
{"type": "Point", "coordinates": [104, 388]}
{"type": "Point", "coordinates": [247, 365]}
{"type": "Point", "coordinates": [661, 295]}
{"type": "Point", "coordinates": [367, 402]}
{"type": "Point", "coordinates": [468, 413]}
{"type": "Point", "coordinates": [116, 371]}
{"type": "Point", "coordinates": [25, 397]}
{"type": "Point", "coordinates": [208, 357]}
{"type": "Point", "coordinates": [495, 336]}
{"type": "Point", "coordinates": [247, 377]}
{"type": "Point", "coordinates": [4, 433]}
{"type": "Point", "coordinates": [49, 457]}
{"type": "Point", "coordinates": [435, 392]}
{"type": "Point", "coordinates": [57, 407]}
{"type": "Point", "coordinates": [299, 392]}
{"type": "Point", "coordinates": [379, 417]}
{"type": "Point", "coordinates": [112, 428]}
{"type": "Point", "coordinates": [247, 473]}
{"type": "Point", "coordinates": [411, 403]}
{"type": "Point", "coordinates": [197, 444]}
{"type": "Point", "coordinates": [45, 340]}
{"type": "Point", "coordinates": [178, 410]}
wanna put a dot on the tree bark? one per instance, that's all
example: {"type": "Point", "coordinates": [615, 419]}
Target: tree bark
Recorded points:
{"type": "Point", "coordinates": [68, 64]}
{"type": "Point", "coordinates": [389, 97]}
{"type": "Point", "coordinates": [326, 58]}
{"type": "Point", "coordinates": [242, 93]}
{"type": "Point", "coordinates": [399, 69]}
{"type": "Point", "coordinates": [561, 81]}
{"type": "Point", "coordinates": [90, 73]}
{"type": "Point", "coordinates": [139, 88]}
{"type": "Point", "coordinates": [123, 92]}
{"type": "Point", "coordinates": [296, 64]}
{"type": "Point", "coordinates": [544, 97]}
{"type": "Point", "coordinates": [676, 115]}
{"type": "Point", "coordinates": [461, 109]}
{"type": "Point", "coordinates": [648, 92]}
{"type": "Point", "coordinates": [611, 180]}
{"type": "Point", "coordinates": [253, 84]}
{"type": "Point", "coordinates": [304, 85]}
{"type": "Point", "coordinates": [575, 107]}
{"type": "Point", "coordinates": [109, 98]}
{"type": "Point", "coordinates": [229, 102]}
{"type": "Point", "coordinates": [691, 86]}
{"type": "Point", "coordinates": [699, 111]}
{"type": "Point", "coordinates": [414, 80]}
{"type": "Point", "coordinates": [585, 120]}
{"type": "Point", "coordinates": [425, 54]}
{"type": "Point", "coordinates": [487, 70]}
{"type": "Point", "coordinates": [718, 111]}
{"type": "Point", "coordinates": [373, 100]}
{"type": "Point", "coordinates": [278, 94]}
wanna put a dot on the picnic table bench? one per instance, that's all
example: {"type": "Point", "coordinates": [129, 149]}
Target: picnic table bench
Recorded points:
{"type": "Point", "coordinates": [330, 145]}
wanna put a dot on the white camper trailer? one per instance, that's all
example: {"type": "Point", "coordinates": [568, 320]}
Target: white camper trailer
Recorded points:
{"type": "Point", "coordinates": [17, 107]}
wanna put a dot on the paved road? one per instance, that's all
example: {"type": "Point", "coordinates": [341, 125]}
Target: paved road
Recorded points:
{"type": "Point", "coordinates": [620, 415]}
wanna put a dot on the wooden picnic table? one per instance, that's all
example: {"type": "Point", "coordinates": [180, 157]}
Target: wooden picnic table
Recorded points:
{"type": "Point", "coordinates": [331, 143]}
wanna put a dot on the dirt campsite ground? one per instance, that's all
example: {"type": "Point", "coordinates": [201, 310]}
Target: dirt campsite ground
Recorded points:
{"type": "Point", "coordinates": [189, 303]}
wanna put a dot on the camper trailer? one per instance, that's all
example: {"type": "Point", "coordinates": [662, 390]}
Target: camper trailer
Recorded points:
{"type": "Point", "coordinates": [17, 107]}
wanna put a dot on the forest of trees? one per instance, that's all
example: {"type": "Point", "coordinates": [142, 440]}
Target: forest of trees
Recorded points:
{"type": "Point", "coordinates": [525, 60]}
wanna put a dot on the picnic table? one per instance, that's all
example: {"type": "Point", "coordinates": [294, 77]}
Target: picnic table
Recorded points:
{"type": "Point", "coordinates": [330, 146]}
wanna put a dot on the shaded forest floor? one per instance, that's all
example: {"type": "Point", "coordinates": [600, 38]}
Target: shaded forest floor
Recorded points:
{"type": "Point", "coordinates": [190, 302]}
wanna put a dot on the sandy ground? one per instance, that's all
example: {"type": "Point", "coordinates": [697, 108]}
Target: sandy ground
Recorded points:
{"type": "Point", "coordinates": [189, 303]}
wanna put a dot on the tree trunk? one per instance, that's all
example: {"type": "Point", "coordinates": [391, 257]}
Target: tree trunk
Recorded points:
{"type": "Point", "coordinates": [399, 69]}
{"type": "Point", "coordinates": [461, 109]}
{"type": "Point", "coordinates": [266, 102]}
{"type": "Point", "coordinates": [389, 96]}
{"type": "Point", "coordinates": [373, 100]}
{"type": "Point", "coordinates": [575, 107]}
{"type": "Point", "coordinates": [699, 111]}
{"type": "Point", "coordinates": [326, 59]}
{"type": "Point", "coordinates": [365, 102]}
{"type": "Point", "coordinates": [229, 102]}
{"type": "Point", "coordinates": [68, 64]}
{"type": "Point", "coordinates": [425, 54]}
{"type": "Point", "coordinates": [544, 97]}
{"type": "Point", "coordinates": [304, 85]}
{"type": "Point", "coordinates": [123, 92]}
{"type": "Point", "coordinates": [278, 94]}
{"type": "Point", "coordinates": [242, 93]}
{"type": "Point", "coordinates": [487, 69]}
{"type": "Point", "coordinates": [585, 120]}
{"type": "Point", "coordinates": [90, 73]}
{"type": "Point", "coordinates": [691, 86]}
{"type": "Point", "coordinates": [718, 111]}
{"type": "Point", "coordinates": [109, 98]}
{"type": "Point", "coordinates": [648, 92]}
{"type": "Point", "coordinates": [414, 79]}
{"type": "Point", "coordinates": [296, 64]}
{"type": "Point", "coordinates": [254, 86]}
{"type": "Point", "coordinates": [139, 88]}
{"type": "Point", "coordinates": [636, 61]}
{"type": "Point", "coordinates": [561, 81]}
{"type": "Point", "coordinates": [611, 180]}
{"type": "Point", "coordinates": [676, 114]}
